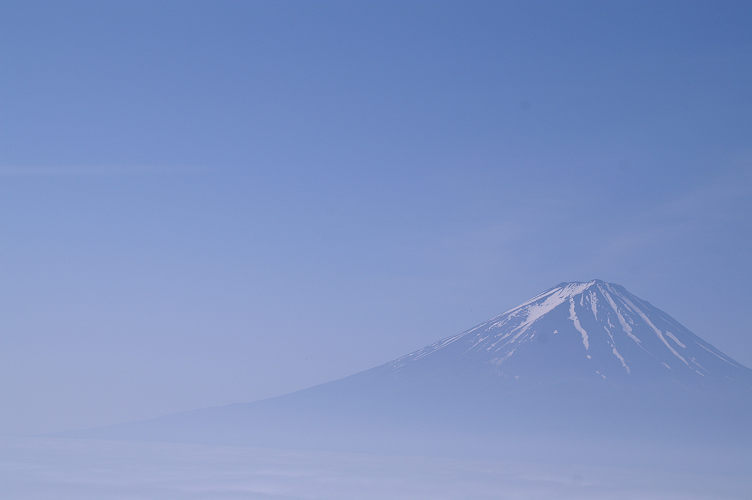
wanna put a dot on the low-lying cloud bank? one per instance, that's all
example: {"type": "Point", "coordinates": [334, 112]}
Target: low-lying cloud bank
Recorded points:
{"type": "Point", "coordinates": [68, 469]}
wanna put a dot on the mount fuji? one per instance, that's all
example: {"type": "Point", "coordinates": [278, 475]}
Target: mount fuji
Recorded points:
{"type": "Point", "coordinates": [580, 331]}
{"type": "Point", "coordinates": [582, 358]}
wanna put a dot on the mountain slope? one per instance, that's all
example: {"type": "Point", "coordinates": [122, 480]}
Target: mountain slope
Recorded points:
{"type": "Point", "coordinates": [580, 359]}
{"type": "Point", "coordinates": [584, 330]}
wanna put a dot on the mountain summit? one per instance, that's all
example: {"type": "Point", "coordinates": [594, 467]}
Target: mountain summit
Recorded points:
{"type": "Point", "coordinates": [583, 330]}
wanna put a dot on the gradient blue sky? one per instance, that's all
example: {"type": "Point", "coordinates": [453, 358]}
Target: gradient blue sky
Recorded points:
{"type": "Point", "coordinates": [211, 202]}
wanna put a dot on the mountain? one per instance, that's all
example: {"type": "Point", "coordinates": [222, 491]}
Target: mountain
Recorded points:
{"type": "Point", "coordinates": [582, 330]}
{"type": "Point", "coordinates": [580, 359]}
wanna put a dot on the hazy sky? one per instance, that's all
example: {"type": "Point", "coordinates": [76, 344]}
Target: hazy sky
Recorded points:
{"type": "Point", "coordinates": [210, 202]}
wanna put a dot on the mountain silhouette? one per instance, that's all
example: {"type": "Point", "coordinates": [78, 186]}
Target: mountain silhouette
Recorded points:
{"type": "Point", "coordinates": [582, 360]}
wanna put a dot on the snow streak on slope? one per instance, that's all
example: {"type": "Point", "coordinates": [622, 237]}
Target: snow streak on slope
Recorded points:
{"type": "Point", "coordinates": [583, 329]}
{"type": "Point", "coordinates": [577, 325]}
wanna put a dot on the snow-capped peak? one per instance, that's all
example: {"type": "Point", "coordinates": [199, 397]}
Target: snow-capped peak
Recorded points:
{"type": "Point", "coordinates": [591, 328]}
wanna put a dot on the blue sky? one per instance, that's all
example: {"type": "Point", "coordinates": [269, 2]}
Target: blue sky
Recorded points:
{"type": "Point", "coordinates": [211, 202]}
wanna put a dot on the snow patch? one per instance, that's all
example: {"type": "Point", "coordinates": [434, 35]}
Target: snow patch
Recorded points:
{"type": "Point", "coordinates": [577, 325]}
{"type": "Point", "coordinates": [677, 341]}
{"type": "Point", "coordinates": [594, 303]}
{"type": "Point", "coordinates": [621, 359]}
